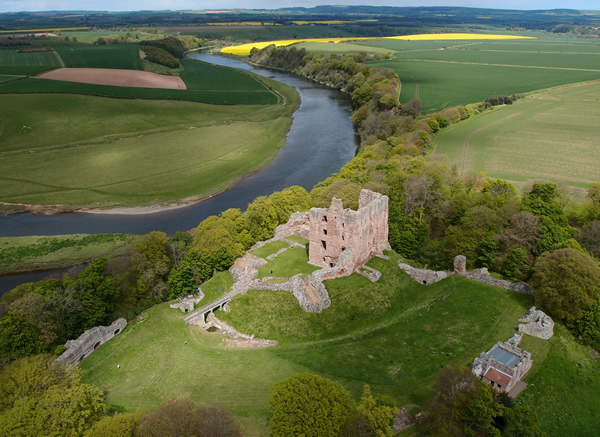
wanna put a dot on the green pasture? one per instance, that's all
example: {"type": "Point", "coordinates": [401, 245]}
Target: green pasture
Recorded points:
{"type": "Point", "coordinates": [547, 136]}
{"type": "Point", "coordinates": [564, 388]}
{"type": "Point", "coordinates": [451, 73]}
{"type": "Point", "coordinates": [208, 77]}
{"type": "Point", "coordinates": [119, 56]}
{"type": "Point", "coordinates": [91, 36]}
{"type": "Point", "coordinates": [80, 150]}
{"type": "Point", "coordinates": [205, 83]}
{"type": "Point", "coordinates": [340, 48]}
{"type": "Point", "coordinates": [394, 335]}
{"type": "Point", "coordinates": [12, 58]}
{"type": "Point", "coordinates": [18, 254]}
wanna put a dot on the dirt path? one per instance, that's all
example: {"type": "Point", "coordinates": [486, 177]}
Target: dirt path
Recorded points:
{"type": "Point", "coordinates": [62, 63]}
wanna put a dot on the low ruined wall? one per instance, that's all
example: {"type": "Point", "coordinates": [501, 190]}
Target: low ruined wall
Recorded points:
{"type": "Point", "coordinates": [187, 303]}
{"type": "Point", "coordinates": [238, 337]}
{"type": "Point", "coordinates": [485, 278]}
{"type": "Point", "coordinates": [296, 225]}
{"type": "Point", "coordinates": [89, 341]}
{"type": "Point", "coordinates": [423, 276]}
{"type": "Point", "coordinates": [539, 324]}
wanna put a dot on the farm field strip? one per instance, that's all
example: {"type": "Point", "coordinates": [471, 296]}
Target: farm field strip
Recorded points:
{"type": "Point", "coordinates": [244, 49]}
{"type": "Point", "coordinates": [499, 65]}
{"type": "Point", "coordinates": [548, 136]}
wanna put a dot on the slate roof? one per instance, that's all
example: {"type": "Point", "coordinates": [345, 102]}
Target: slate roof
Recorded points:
{"type": "Point", "coordinates": [505, 357]}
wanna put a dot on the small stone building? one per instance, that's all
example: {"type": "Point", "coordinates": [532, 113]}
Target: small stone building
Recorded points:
{"type": "Point", "coordinates": [335, 230]}
{"type": "Point", "coordinates": [503, 365]}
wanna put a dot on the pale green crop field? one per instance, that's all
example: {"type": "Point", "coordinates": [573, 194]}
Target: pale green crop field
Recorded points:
{"type": "Point", "coordinates": [550, 136]}
{"type": "Point", "coordinates": [340, 48]}
{"type": "Point", "coordinates": [451, 73]}
{"type": "Point", "coordinates": [91, 151]}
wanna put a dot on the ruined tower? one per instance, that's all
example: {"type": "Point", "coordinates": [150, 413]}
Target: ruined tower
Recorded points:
{"type": "Point", "coordinates": [359, 235]}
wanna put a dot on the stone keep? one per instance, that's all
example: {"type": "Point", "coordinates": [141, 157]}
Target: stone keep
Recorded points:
{"type": "Point", "coordinates": [336, 230]}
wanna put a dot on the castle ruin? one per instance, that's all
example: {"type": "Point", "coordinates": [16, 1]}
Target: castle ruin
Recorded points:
{"type": "Point", "coordinates": [335, 230]}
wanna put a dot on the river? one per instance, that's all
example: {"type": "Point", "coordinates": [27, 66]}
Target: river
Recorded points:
{"type": "Point", "coordinates": [320, 141]}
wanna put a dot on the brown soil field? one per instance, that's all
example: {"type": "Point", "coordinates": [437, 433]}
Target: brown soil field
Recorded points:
{"type": "Point", "coordinates": [103, 76]}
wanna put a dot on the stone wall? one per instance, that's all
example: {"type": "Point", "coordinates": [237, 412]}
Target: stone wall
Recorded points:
{"type": "Point", "coordinates": [243, 339]}
{"type": "Point", "coordinates": [298, 224]}
{"type": "Point", "coordinates": [539, 324]}
{"type": "Point", "coordinates": [187, 303]}
{"type": "Point", "coordinates": [424, 276]}
{"type": "Point", "coordinates": [88, 342]}
{"type": "Point", "coordinates": [336, 230]}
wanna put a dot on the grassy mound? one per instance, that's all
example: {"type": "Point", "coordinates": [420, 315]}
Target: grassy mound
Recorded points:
{"type": "Point", "coordinates": [394, 335]}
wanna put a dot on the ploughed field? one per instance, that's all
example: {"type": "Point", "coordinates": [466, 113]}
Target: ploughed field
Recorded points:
{"type": "Point", "coordinates": [552, 135]}
{"type": "Point", "coordinates": [394, 335]}
{"type": "Point", "coordinates": [64, 142]}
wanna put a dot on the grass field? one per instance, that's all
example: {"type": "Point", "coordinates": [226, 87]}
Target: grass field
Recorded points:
{"type": "Point", "coordinates": [394, 335]}
{"type": "Point", "coordinates": [548, 136]}
{"type": "Point", "coordinates": [289, 263]}
{"type": "Point", "coordinates": [12, 58]}
{"type": "Point", "coordinates": [123, 56]}
{"type": "Point", "coordinates": [340, 48]}
{"type": "Point", "coordinates": [450, 73]}
{"type": "Point", "coordinates": [79, 150]}
{"type": "Point", "coordinates": [18, 254]}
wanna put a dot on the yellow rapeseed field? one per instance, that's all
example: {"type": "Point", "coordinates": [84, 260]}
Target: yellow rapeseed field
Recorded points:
{"type": "Point", "coordinates": [244, 49]}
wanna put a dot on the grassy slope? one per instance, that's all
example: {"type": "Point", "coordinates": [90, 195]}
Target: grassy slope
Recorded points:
{"type": "Point", "coordinates": [58, 251]}
{"type": "Point", "coordinates": [450, 73]}
{"type": "Point", "coordinates": [549, 136]}
{"type": "Point", "coordinates": [394, 335]}
{"type": "Point", "coordinates": [145, 152]}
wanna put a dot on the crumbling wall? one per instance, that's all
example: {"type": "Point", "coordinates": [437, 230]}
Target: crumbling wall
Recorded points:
{"type": "Point", "coordinates": [335, 230]}
{"type": "Point", "coordinates": [298, 224]}
{"type": "Point", "coordinates": [539, 324]}
{"type": "Point", "coordinates": [423, 276]}
{"type": "Point", "coordinates": [187, 303]}
{"type": "Point", "coordinates": [239, 339]}
{"type": "Point", "coordinates": [89, 341]}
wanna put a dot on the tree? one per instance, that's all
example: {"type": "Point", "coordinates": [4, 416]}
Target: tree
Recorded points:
{"type": "Point", "coordinates": [39, 397]}
{"type": "Point", "coordinates": [378, 417]}
{"type": "Point", "coordinates": [18, 338]}
{"type": "Point", "coordinates": [119, 425]}
{"type": "Point", "coordinates": [464, 405]}
{"type": "Point", "coordinates": [566, 283]}
{"type": "Point", "coordinates": [181, 280]}
{"type": "Point", "coordinates": [309, 405]}
{"type": "Point", "coordinates": [183, 418]}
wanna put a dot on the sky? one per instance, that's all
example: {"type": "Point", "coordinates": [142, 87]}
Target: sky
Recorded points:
{"type": "Point", "coordinates": [133, 5]}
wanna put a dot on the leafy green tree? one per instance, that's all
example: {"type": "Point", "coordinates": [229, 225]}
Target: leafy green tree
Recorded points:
{"type": "Point", "coordinates": [587, 328]}
{"type": "Point", "coordinates": [96, 291]}
{"type": "Point", "coordinates": [378, 417]}
{"type": "Point", "coordinates": [223, 259]}
{"type": "Point", "coordinates": [119, 425]}
{"type": "Point", "coordinates": [18, 339]}
{"type": "Point", "coordinates": [589, 237]}
{"type": "Point", "coordinates": [177, 418]}
{"type": "Point", "coordinates": [181, 280]}
{"type": "Point", "coordinates": [309, 405]}
{"type": "Point", "coordinates": [593, 209]}
{"type": "Point", "coordinates": [464, 405]}
{"type": "Point", "coordinates": [566, 283]}
{"type": "Point", "coordinates": [151, 253]}
{"type": "Point", "coordinates": [516, 266]}
{"type": "Point", "coordinates": [522, 421]}
{"type": "Point", "coordinates": [39, 397]}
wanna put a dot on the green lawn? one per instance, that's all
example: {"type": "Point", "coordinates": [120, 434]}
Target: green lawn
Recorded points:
{"type": "Point", "coordinates": [287, 264]}
{"type": "Point", "coordinates": [565, 388]}
{"type": "Point", "coordinates": [394, 335]}
{"type": "Point", "coordinates": [269, 248]}
{"type": "Point", "coordinates": [81, 150]}
{"type": "Point", "coordinates": [19, 254]}
{"type": "Point", "coordinates": [216, 287]}
{"type": "Point", "coordinates": [547, 136]}
{"type": "Point", "coordinates": [340, 48]}
{"type": "Point", "coordinates": [12, 58]}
